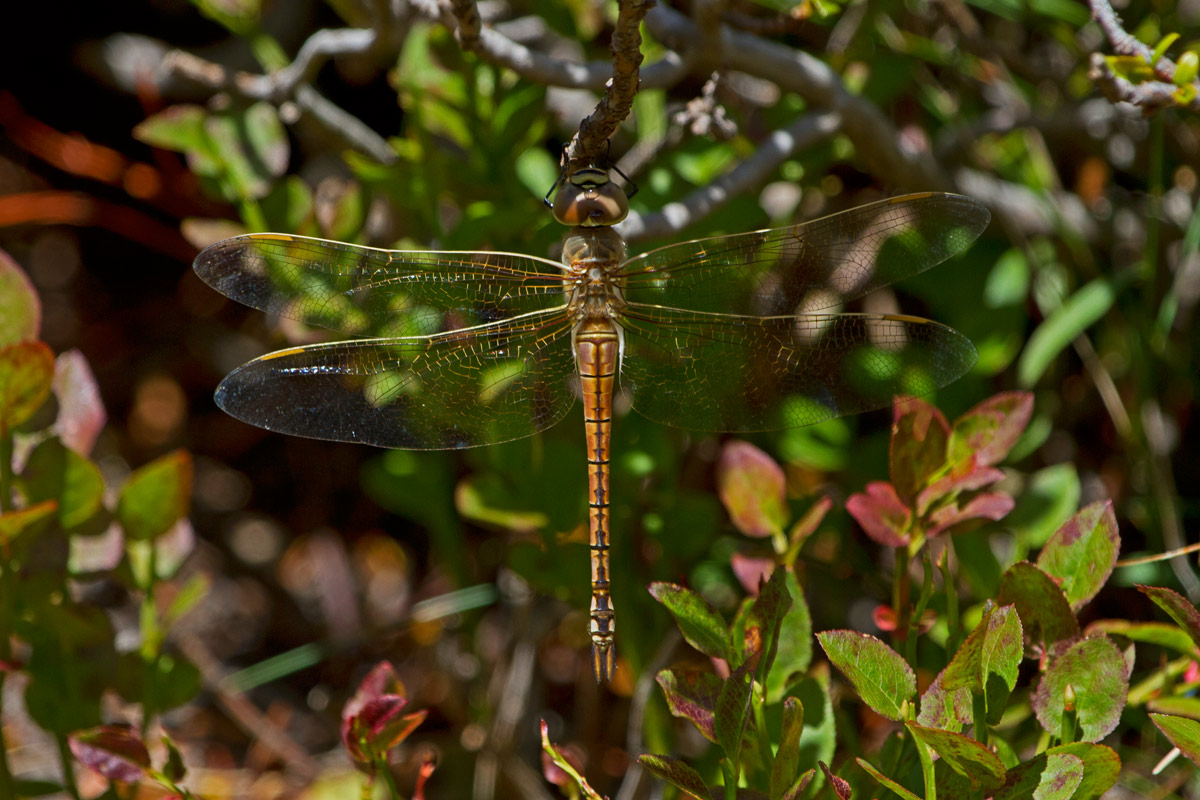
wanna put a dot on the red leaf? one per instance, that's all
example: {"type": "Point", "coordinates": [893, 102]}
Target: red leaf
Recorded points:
{"type": "Point", "coordinates": [751, 571]}
{"type": "Point", "coordinates": [881, 514]}
{"type": "Point", "coordinates": [379, 698]}
{"type": "Point", "coordinates": [965, 476]}
{"type": "Point", "coordinates": [81, 414]}
{"type": "Point", "coordinates": [114, 751]}
{"type": "Point", "coordinates": [990, 505]}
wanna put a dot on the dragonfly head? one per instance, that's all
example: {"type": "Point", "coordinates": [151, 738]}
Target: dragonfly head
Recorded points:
{"type": "Point", "coordinates": [589, 199]}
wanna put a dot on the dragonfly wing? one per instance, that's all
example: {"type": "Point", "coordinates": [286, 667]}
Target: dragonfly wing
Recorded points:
{"type": "Point", "coordinates": [366, 291]}
{"type": "Point", "coordinates": [809, 267]}
{"type": "Point", "coordinates": [721, 372]}
{"type": "Point", "coordinates": [464, 388]}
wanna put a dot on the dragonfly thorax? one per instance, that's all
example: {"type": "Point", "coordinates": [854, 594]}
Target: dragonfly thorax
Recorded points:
{"type": "Point", "coordinates": [593, 257]}
{"type": "Point", "coordinates": [589, 199]}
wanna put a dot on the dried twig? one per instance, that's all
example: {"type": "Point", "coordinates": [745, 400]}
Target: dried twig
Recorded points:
{"type": "Point", "coordinates": [1148, 95]}
{"type": "Point", "coordinates": [588, 144]}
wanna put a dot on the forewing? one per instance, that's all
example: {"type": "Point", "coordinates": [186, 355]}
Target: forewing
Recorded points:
{"type": "Point", "coordinates": [366, 291]}
{"type": "Point", "coordinates": [720, 372]}
{"type": "Point", "coordinates": [810, 267]}
{"type": "Point", "coordinates": [464, 388]}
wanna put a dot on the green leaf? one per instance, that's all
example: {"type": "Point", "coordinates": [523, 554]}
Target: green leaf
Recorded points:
{"type": "Point", "coordinates": [965, 756]}
{"type": "Point", "coordinates": [1045, 613]}
{"type": "Point", "coordinates": [1178, 607]}
{"type": "Point", "coordinates": [1083, 552]}
{"type": "Point", "coordinates": [692, 695]}
{"type": "Point", "coordinates": [1182, 732]}
{"type": "Point", "coordinates": [54, 472]}
{"type": "Point", "coordinates": [733, 709]}
{"type": "Point", "coordinates": [177, 128]}
{"type": "Point", "coordinates": [154, 497]}
{"type": "Point", "coordinates": [1158, 633]}
{"type": "Point", "coordinates": [987, 432]}
{"type": "Point", "coordinates": [698, 621]}
{"type": "Point", "coordinates": [785, 767]}
{"type": "Point", "coordinates": [26, 374]}
{"type": "Point", "coordinates": [678, 774]}
{"type": "Point", "coordinates": [15, 523]}
{"type": "Point", "coordinates": [174, 768]}
{"type": "Point", "coordinates": [752, 488]}
{"type": "Point", "coordinates": [1080, 311]}
{"type": "Point", "coordinates": [1098, 674]}
{"type": "Point", "coordinates": [987, 661]}
{"type": "Point", "coordinates": [904, 794]}
{"type": "Point", "coordinates": [948, 710]}
{"type": "Point", "coordinates": [1100, 768]}
{"type": "Point", "coordinates": [761, 632]}
{"type": "Point", "coordinates": [20, 307]}
{"type": "Point", "coordinates": [562, 763]}
{"type": "Point", "coordinates": [794, 651]}
{"type": "Point", "coordinates": [1008, 281]}
{"type": "Point", "coordinates": [536, 170]}
{"type": "Point", "coordinates": [1160, 49]}
{"type": "Point", "coordinates": [880, 675]}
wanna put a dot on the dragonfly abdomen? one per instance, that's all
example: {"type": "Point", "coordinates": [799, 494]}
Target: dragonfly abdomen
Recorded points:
{"type": "Point", "coordinates": [597, 345]}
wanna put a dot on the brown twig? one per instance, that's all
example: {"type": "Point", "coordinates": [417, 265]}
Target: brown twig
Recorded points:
{"type": "Point", "coordinates": [1147, 95]}
{"type": "Point", "coordinates": [588, 144]}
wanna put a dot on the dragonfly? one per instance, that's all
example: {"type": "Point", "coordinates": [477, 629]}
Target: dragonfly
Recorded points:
{"type": "Point", "coordinates": [456, 349]}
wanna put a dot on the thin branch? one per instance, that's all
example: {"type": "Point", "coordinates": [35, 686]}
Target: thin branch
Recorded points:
{"type": "Point", "coordinates": [875, 138]}
{"type": "Point", "coordinates": [781, 145]}
{"type": "Point", "coordinates": [1148, 95]}
{"type": "Point", "coordinates": [617, 102]}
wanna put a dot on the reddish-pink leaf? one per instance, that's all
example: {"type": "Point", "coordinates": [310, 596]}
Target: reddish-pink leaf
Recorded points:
{"type": "Point", "coordinates": [989, 505]}
{"type": "Point", "coordinates": [965, 476]}
{"type": "Point", "coordinates": [918, 445]}
{"type": "Point", "coordinates": [840, 786]}
{"type": "Point", "coordinates": [882, 514]}
{"type": "Point", "coordinates": [114, 751]}
{"type": "Point", "coordinates": [20, 308]}
{"type": "Point", "coordinates": [81, 414]}
{"type": "Point", "coordinates": [26, 372]}
{"type": "Point", "coordinates": [692, 695]}
{"type": "Point", "coordinates": [753, 489]}
{"type": "Point", "coordinates": [989, 430]}
{"type": "Point", "coordinates": [751, 571]}
{"type": "Point", "coordinates": [380, 690]}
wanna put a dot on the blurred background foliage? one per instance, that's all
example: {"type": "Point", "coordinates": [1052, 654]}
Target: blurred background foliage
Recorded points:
{"type": "Point", "coordinates": [134, 134]}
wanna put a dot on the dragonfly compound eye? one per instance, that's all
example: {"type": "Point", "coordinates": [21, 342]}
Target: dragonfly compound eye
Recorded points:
{"type": "Point", "coordinates": [590, 199]}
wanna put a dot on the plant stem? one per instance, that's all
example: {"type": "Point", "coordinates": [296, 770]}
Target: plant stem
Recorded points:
{"type": "Point", "coordinates": [926, 769]}
{"type": "Point", "coordinates": [7, 787]}
{"type": "Point", "coordinates": [389, 779]}
{"type": "Point", "coordinates": [901, 592]}
{"type": "Point", "coordinates": [68, 765]}
{"type": "Point", "coordinates": [953, 626]}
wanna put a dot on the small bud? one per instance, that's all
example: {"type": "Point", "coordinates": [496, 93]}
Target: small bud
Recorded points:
{"type": "Point", "coordinates": [1069, 698]}
{"type": "Point", "coordinates": [1187, 68]}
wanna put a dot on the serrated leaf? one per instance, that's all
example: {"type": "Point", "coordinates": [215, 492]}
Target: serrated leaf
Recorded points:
{"type": "Point", "coordinates": [678, 774]}
{"type": "Point", "coordinates": [733, 709]}
{"type": "Point", "coordinates": [26, 374]}
{"type": "Point", "coordinates": [1178, 607]}
{"type": "Point", "coordinates": [20, 307]}
{"type": "Point", "coordinates": [115, 752]}
{"type": "Point", "coordinates": [1100, 768]}
{"type": "Point", "coordinates": [154, 497]}
{"type": "Point", "coordinates": [753, 489]}
{"type": "Point", "coordinates": [1083, 552]}
{"type": "Point", "coordinates": [1098, 674]}
{"type": "Point", "coordinates": [1045, 613]}
{"type": "Point", "coordinates": [1182, 732]}
{"type": "Point", "coordinates": [905, 794]}
{"type": "Point", "coordinates": [702, 627]}
{"type": "Point", "coordinates": [964, 755]}
{"type": "Point", "coordinates": [692, 695]}
{"type": "Point", "coordinates": [879, 675]}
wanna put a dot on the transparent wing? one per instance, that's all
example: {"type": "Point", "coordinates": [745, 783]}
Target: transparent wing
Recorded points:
{"type": "Point", "coordinates": [464, 388]}
{"type": "Point", "coordinates": [721, 372]}
{"type": "Point", "coordinates": [809, 267]}
{"type": "Point", "coordinates": [365, 291]}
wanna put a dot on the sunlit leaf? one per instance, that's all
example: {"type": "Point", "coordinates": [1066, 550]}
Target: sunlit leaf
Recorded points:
{"type": "Point", "coordinates": [1045, 613]}
{"type": "Point", "coordinates": [879, 675]}
{"type": "Point", "coordinates": [155, 496]}
{"type": "Point", "coordinates": [677, 773]}
{"type": "Point", "coordinates": [966, 756]}
{"type": "Point", "coordinates": [698, 621]}
{"type": "Point", "coordinates": [20, 307]}
{"type": "Point", "coordinates": [26, 374]}
{"type": "Point", "coordinates": [1097, 673]}
{"type": "Point", "coordinates": [1082, 553]}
